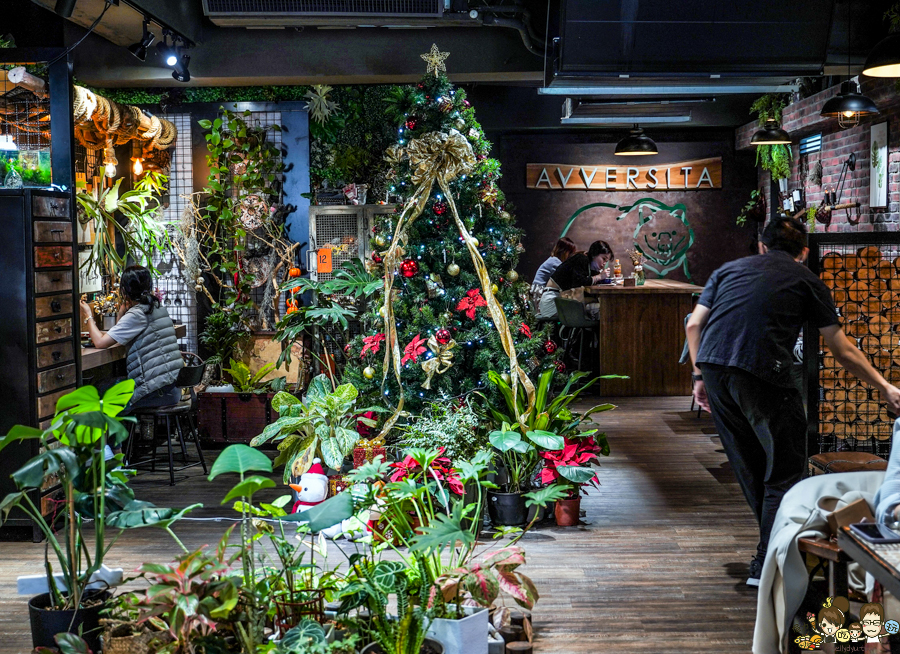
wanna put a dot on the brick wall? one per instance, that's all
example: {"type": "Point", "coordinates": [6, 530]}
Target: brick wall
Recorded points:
{"type": "Point", "coordinates": [802, 119]}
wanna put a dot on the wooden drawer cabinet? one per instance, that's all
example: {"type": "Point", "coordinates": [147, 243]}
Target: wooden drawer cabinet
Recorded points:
{"type": "Point", "coordinates": [50, 207]}
{"type": "Point", "coordinates": [46, 404]}
{"type": "Point", "coordinates": [50, 380]}
{"type": "Point", "coordinates": [53, 330]}
{"type": "Point", "coordinates": [52, 282]}
{"type": "Point", "coordinates": [53, 306]}
{"type": "Point", "coordinates": [46, 231]}
{"type": "Point", "coordinates": [52, 256]}
{"type": "Point", "coordinates": [55, 354]}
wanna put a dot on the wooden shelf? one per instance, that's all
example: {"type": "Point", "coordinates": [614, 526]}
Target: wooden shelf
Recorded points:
{"type": "Point", "coordinates": [91, 357]}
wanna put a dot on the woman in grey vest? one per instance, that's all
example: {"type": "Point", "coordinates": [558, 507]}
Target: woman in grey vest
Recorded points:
{"type": "Point", "coordinates": [146, 330]}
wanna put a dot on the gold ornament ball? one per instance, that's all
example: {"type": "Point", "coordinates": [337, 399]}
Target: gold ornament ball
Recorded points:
{"type": "Point", "coordinates": [368, 372]}
{"type": "Point", "coordinates": [494, 289]}
{"type": "Point", "coordinates": [460, 123]}
{"type": "Point", "coordinates": [379, 241]}
{"type": "Point", "coordinates": [505, 215]}
{"type": "Point", "coordinates": [453, 270]}
{"type": "Point", "coordinates": [512, 276]}
{"type": "Point", "coordinates": [506, 378]}
{"type": "Point", "coordinates": [381, 311]}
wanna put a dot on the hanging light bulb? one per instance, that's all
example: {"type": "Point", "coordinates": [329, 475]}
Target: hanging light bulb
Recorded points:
{"type": "Point", "coordinates": [109, 160]}
{"type": "Point", "coordinates": [138, 167]}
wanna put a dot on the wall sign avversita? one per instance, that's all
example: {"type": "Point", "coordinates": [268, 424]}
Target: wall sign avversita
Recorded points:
{"type": "Point", "coordinates": [698, 175]}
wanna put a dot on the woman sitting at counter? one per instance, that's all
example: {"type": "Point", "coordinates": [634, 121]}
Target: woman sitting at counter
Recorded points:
{"type": "Point", "coordinates": [146, 330]}
{"type": "Point", "coordinates": [572, 273]}
{"type": "Point", "coordinates": [564, 248]}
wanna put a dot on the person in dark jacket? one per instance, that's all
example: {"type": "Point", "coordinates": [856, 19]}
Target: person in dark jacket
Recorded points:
{"type": "Point", "coordinates": [741, 336]}
{"type": "Point", "coordinates": [574, 272]}
{"type": "Point", "coordinates": [146, 330]}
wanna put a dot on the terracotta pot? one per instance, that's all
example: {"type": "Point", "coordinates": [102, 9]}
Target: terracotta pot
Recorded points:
{"type": "Point", "coordinates": [568, 512]}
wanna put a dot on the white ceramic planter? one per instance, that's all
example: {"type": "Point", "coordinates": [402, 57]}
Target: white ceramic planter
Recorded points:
{"type": "Point", "coordinates": [466, 636]}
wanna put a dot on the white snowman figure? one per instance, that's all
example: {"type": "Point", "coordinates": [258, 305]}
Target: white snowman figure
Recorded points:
{"type": "Point", "coordinates": [312, 488]}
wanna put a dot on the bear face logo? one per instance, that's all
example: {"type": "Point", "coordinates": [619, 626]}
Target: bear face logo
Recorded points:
{"type": "Point", "coordinates": [663, 235]}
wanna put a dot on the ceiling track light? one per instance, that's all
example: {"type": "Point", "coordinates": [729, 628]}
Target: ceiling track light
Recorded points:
{"type": "Point", "coordinates": [771, 134]}
{"type": "Point", "coordinates": [175, 57]}
{"type": "Point", "coordinates": [636, 144]}
{"type": "Point", "coordinates": [139, 49]}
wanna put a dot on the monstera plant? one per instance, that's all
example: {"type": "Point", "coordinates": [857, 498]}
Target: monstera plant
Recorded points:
{"type": "Point", "coordinates": [324, 426]}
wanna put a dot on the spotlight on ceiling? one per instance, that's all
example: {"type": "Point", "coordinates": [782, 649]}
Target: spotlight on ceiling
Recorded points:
{"type": "Point", "coordinates": [181, 72]}
{"type": "Point", "coordinates": [139, 49]}
{"type": "Point", "coordinates": [771, 134]}
{"type": "Point", "coordinates": [65, 8]}
{"type": "Point", "coordinates": [636, 144]}
{"type": "Point", "coordinates": [168, 53]}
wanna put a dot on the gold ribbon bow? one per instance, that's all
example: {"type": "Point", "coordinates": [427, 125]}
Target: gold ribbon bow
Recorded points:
{"type": "Point", "coordinates": [440, 158]}
{"type": "Point", "coordinates": [441, 362]}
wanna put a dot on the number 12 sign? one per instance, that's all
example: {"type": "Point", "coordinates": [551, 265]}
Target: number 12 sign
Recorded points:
{"type": "Point", "coordinates": [323, 260]}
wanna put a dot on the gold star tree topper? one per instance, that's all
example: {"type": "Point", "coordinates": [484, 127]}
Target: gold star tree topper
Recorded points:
{"type": "Point", "coordinates": [435, 59]}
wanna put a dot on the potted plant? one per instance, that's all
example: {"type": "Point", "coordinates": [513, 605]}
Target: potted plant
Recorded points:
{"type": "Point", "coordinates": [73, 448]}
{"type": "Point", "coordinates": [570, 469]}
{"type": "Point", "coordinates": [323, 426]}
{"type": "Point", "coordinates": [239, 415]}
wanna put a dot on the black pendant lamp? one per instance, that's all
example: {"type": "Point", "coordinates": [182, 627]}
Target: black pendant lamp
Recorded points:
{"type": "Point", "coordinates": [849, 105]}
{"type": "Point", "coordinates": [884, 60]}
{"type": "Point", "coordinates": [636, 144]}
{"type": "Point", "coordinates": [771, 134]}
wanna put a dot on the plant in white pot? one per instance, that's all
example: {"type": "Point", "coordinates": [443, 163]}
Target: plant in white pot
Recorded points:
{"type": "Point", "coordinates": [73, 450]}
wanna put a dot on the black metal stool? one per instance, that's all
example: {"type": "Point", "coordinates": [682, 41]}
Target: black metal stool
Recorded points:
{"type": "Point", "coordinates": [182, 414]}
{"type": "Point", "coordinates": [571, 317]}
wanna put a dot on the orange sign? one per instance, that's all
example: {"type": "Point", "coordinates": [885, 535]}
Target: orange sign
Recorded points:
{"type": "Point", "coordinates": [323, 260]}
{"type": "Point", "coordinates": [688, 175]}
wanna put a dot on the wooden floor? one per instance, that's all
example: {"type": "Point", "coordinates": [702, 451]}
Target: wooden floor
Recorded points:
{"type": "Point", "coordinates": [659, 566]}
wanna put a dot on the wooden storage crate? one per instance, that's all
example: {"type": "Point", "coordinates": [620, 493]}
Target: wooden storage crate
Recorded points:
{"type": "Point", "coordinates": [233, 417]}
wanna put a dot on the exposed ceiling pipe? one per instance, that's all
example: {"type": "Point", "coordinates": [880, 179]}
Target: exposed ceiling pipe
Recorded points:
{"type": "Point", "coordinates": [513, 9]}
{"type": "Point", "coordinates": [516, 24]}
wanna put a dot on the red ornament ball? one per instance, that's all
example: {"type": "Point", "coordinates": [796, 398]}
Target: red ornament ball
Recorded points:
{"type": "Point", "coordinates": [440, 208]}
{"type": "Point", "coordinates": [411, 123]}
{"type": "Point", "coordinates": [376, 258]}
{"type": "Point", "coordinates": [442, 336]}
{"type": "Point", "coordinates": [409, 268]}
{"type": "Point", "coordinates": [560, 366]}
{"type": "Point", "coordinates": [549, 347]}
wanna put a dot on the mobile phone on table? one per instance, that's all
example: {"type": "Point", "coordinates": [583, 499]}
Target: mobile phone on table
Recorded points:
{"type": "Point", "coordinates": [875, 532]}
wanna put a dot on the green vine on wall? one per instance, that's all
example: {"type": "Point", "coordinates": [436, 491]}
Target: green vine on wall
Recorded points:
{"type": "Point", "coordinates": [774, 158]}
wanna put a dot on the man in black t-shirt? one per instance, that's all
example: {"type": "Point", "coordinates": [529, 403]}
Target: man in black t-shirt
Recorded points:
{"type": "Point", "coordinates": [741, 336]}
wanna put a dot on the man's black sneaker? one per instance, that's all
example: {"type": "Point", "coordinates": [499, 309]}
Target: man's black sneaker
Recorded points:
{"type": "Point", "coordinates": [755, 572]}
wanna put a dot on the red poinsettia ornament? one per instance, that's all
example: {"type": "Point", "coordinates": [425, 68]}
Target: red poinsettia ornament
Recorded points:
{"type": "Point", "coordinates": [472, 301]}
{"type": "Point", "coordinates": [371, 344]}
{"type": "Point", "coordinates": [414, 348]}
{"type": "Point", "coordinates": [525, 329]}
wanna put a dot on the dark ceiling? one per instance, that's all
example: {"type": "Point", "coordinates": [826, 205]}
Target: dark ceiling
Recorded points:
{"type": "Point", "coordinates": [722, 54]}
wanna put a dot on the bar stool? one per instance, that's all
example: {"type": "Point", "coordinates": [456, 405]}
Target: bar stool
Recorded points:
{"type": "Point", "coordinates": [183, 417]}
{"type": "Point", "coordinates": [572, 318]}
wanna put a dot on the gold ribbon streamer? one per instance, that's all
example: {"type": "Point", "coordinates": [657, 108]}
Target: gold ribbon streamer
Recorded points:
{"type": "Point", "coordinates": [439, 157]}
{"type": "Point", "coordinates": [441, 362]}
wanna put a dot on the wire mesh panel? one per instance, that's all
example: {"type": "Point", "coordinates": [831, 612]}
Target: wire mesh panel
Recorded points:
{"type": "Point", "coordinates": [342, 230]}
{"type": "Point", "coordinates": [24, 131]}
{"type": "Point", "coordinates": [863, 273]}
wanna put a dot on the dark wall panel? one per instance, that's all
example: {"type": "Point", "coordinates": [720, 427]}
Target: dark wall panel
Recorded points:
{"type": "Point", "coordinates": [710, 213]}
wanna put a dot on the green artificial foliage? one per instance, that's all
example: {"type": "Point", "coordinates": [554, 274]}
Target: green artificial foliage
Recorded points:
{"type": "Point", "coordinates": [774, 158]}
{"type": "Point", "coordinates": [455, 429]}
{"type": "Point", "coordinates": [172, 97]}
{"type": "Point", "coordinates": [432, 298]}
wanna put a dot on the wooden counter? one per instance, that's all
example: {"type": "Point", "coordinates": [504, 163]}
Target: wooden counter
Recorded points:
{"type": "Point", "coordinates": [91, 357]}
{"type": "Point", "coordinates": [642, 335]}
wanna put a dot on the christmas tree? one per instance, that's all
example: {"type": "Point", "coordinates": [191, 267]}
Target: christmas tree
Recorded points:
{"type": "Point", "coordinates": [449, 332]}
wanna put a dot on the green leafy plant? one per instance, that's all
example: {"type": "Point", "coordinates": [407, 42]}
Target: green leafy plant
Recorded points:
{"type": "Point", "coordinates": [142, 232]}
{"type": "Point", "coordinates": [755, 209]}
{"type": "Point", "coordinates": [222, 333]}
{"type": "Point", "coordinates": [456, 429]}
{"type": "Point", "coordinates": [67, 644]}
{"type": "Point", "coordinates": [323, 426]}
{"type": "Point", "coordinates": [192, 596]}
{"type": "Point", "coordinates": [72, 450]}
{"type": "Point", "coordinates": [521, 455]}
{"type": "Point", "coordinates": [246, 381]}
{"type": "Point", "coordinates": [774, 158]}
